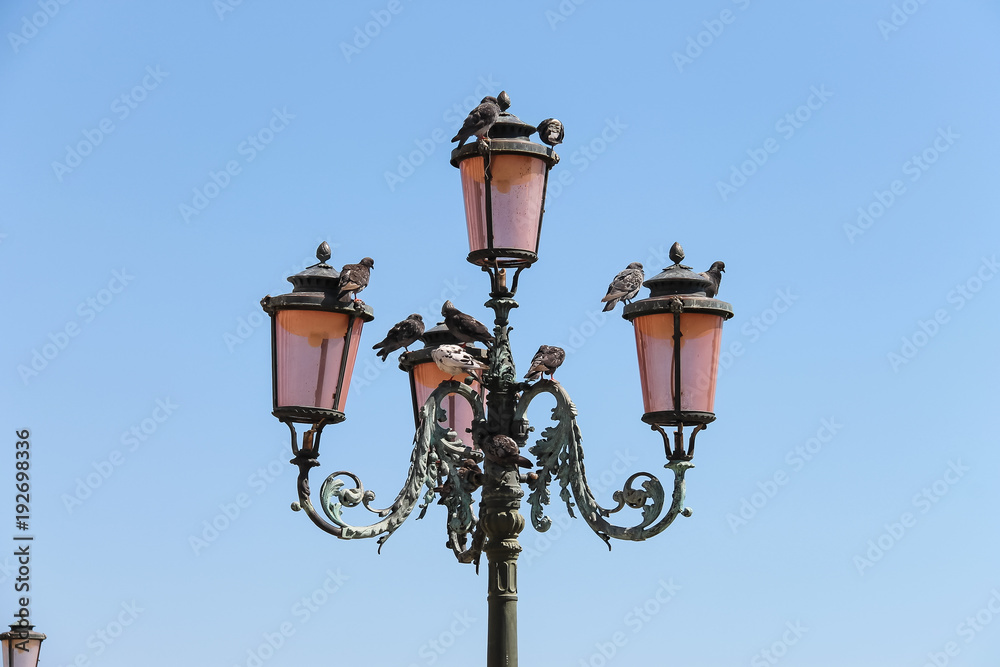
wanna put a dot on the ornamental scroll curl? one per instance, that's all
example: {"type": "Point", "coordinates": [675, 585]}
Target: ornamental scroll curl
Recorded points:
{"type": "Point", "coordinates": [560, 454]}
{"type": "Point", "coordinates": [439, 463]}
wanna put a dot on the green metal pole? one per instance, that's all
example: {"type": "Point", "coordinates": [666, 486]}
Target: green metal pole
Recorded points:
{"type": "Point", "coordinates": [502, 493]}
{"type": "Point", "coordinates": [502, 523]}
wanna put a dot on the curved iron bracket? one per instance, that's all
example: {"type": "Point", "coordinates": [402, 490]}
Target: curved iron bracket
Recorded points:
{"type": "Point", "coordinates": [560, 454]}
{"type": "Point", "coordinates": [439, 462]}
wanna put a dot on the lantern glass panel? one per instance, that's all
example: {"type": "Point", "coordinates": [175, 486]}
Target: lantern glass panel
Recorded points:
{"type": "Point", "coordinates": [22, 658]}
{"type": "Point", "coordinates": [517, 188]}
{"type": "Point", "coordinates": [310, 348]}
{"type": "Point", "coordinates": [352, 355]}
{"type": "Point", "coordinates": [701, 338]}
{"type": "Point", "coordinates": [426, 378]}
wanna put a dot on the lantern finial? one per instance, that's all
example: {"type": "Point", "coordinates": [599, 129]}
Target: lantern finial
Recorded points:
{"type": "Point", "coordinates": [677, 255]}
{"type": "Point", "coordinates": [323, 252]}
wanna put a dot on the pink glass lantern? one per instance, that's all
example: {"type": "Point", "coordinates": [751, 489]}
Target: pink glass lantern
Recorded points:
{"type": "Point", "coordinates": [678, 335]}
{"type": "Point", "coordinates": [314, 339]}
{"type": "Point", "coordinates": [503, 185]}
{"type": "Point", "coordinates": [21, 646]}
{"type": "Point", "coordinates": [425, 377]}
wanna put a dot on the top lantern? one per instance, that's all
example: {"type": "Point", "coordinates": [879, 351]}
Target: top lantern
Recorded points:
{"type": "Point", "coordinates": [504, 177]}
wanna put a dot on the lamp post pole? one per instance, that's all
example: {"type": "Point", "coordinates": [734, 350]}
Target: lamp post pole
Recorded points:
{"type": "Point", "coordinates": [315, 338]}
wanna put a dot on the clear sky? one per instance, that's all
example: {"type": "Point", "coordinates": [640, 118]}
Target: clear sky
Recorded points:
{"type": "Point", "coordinates": [165, 165]}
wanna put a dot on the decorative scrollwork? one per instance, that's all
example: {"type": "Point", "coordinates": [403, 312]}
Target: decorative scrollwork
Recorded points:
{"type": "Point", "coordinates": [560, 455]}
{"type": "Point", "coordinates": [439, 463]}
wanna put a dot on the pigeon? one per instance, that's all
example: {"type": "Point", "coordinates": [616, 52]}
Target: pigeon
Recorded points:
{"type": "Point", "coordinates": [479, 121]}
{"type": "Point", "coordinates": [354, 277]}
{"type": "Point", "coordinates": [402, 334]}
{"type": "Point", "coordinates": [455, 360]}
{"type": "Point", "coordinates": [464, 327]}
{"type": "Point", "coordinates": [714, 276]}
{"type": "Point", "coordinates": [503, 450]}
{"type": "Point", "coordinates": [546, 360]}
{"type": "Point", "coordinates": [551, 131]}
{"type": "Point", "coordinates": [625, 286]}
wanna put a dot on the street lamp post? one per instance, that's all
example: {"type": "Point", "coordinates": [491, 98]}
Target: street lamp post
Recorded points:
{"type": "Point", "coordinates": [315, 334]}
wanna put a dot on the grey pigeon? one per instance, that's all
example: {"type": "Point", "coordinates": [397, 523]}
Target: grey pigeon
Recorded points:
{"type": "Point", "coordinates": [479, 121]}
{"type": "Point", "coordinates": [456, 361]}
{"type": "Point", "coordinates": [625, 286]}
{"type": "Point", "coordinates": [551, 131]}
{"type": "Point", "coordinates": [503, 450]}
{"type": "Point", "coordinates": [714, 276]}
{"type": "Point", "coordinates": [464, 327]}
{"type": "Point", "coordinates": [354, 277]}
{"type": "Point", "coordinates": [402, 334]}
{"type": "Point", "coordinates": [546, 360]}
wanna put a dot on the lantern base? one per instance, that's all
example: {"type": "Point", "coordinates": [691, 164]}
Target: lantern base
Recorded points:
{"type": "Point", "coordinates": [502, 257]}
{"type": "Point", "coordinates": [674, 418]}
{"type": "Point", "coordinates": [301, 414]}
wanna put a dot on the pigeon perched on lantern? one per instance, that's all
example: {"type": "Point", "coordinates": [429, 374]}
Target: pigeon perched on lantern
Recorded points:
{"type": "Point", "coordinates": [625, 286]}
{"type": "Point", "coordinates": [465, 328]}
{"type": "Point", "coordinates": [402, 334]}
{"type": "Point", "coordinates": [479, 121]}
{"type": "Point", "coordinates": [354, 277]}
{"type": "Point", "coordinates": [714, 276]}
{"type": "Point", "coordinates": [551, 131]}
{"type": "Point", "coordinates": [456, 361]}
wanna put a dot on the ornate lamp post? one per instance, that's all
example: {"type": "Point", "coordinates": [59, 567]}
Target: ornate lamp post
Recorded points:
{"type": "Point", "coordinates": [21, 646]}
{"type": "Point", "coordinates": [315, 339]}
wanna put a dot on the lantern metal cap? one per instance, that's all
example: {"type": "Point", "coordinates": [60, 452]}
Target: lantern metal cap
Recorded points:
{"type": "Point", "coordinates": [677, 279]}
{"type": "Point", "coordinates": [317, 288]}
{"type": "Point", "coordinates": [677, 286]}
{"type": "Point", "coordinates": [433, 338]}
{"type": "Point", "coordinates": [319, 277]}
{"type": "Point", "coordinates": [18, 631]}
{"type": "Point", "coordinates": [509, 134]}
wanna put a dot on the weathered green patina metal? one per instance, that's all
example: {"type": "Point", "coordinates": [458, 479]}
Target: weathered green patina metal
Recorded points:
{"type": "Point", "coordinates": [436, 463]}
{"type": "Point", "coordinates": [441, 464]}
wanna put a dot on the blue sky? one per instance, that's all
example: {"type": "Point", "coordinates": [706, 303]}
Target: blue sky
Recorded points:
{"type": "Point", "coordinates": [165, 165]}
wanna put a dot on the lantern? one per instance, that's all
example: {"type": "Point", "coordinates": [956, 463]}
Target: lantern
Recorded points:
{"type": "Point", "coordinates": [21, 646]}
{"type": "Point", "coordinates": [678, 334]}
{"type": "Point", "coordinates": [504, 191]}
{"type": "Point", "coordinates": [425, 377]}
{"type": "Point", "coordinates": [314, 343]}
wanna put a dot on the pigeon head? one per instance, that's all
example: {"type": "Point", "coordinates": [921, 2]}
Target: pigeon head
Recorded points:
{"type": "Point", "coordinates": [447, 308]}
{"type": "Point", "coordinates": [635, 265]}
{"type": "Point", "coordinates": [718, 266]}
{"type": "Point", "coordinates": [415, 316]}
{"type": "Point", "coordinates": [367, 261]}
{"type": "Point", "coordinates": [490, 99]}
